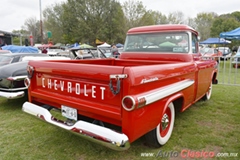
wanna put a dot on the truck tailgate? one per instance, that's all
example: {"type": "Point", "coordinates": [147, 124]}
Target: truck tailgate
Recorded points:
{"type": "Point", "coordinates": [71, 84]}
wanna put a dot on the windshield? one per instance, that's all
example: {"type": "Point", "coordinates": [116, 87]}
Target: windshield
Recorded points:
{"type": "Point", "coordinates": [157, 42]}
{"type": "Point", "coordinates": [209, 51]}
{"type": "Point", "coordinates": [106, 50]}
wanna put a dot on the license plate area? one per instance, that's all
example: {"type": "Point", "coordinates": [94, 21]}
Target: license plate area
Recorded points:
{"type": "Point", "coordinates": [68, 112]}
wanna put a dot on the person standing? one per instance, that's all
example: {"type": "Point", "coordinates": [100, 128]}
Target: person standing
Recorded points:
{"type": "Point", "coordinates": [44, 51]}
{"type": "Point", "coordinates": [115, 52]}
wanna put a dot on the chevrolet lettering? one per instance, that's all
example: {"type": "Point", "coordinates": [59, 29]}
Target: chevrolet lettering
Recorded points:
{"type": "Point", "coordinates": [73, 87]}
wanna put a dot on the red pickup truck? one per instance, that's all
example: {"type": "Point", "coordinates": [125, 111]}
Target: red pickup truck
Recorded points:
{"type": "Point", "coordinates": [115, 101]}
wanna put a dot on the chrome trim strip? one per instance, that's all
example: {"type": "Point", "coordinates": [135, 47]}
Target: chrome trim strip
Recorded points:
{"type": "Point", "coordinates": [166, 91]}
{"type": "Point", "coordinates": [17, 78]}
{"type": "Point", "coordinates": [13, 89]}
{"type": "Point", "coordinates": [12, 95]}
{"type": "Point", "coordinates": [109, 138]}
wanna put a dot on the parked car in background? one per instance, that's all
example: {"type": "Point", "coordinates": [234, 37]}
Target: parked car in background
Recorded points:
{"type": "Point", "coordinates": [12, 76]}
{"type": "Point", "coordinates": [236, 59]}
{"type": "Point", "coordinates": [5, 51]}
{"type": "Point", "coordinates": [202, 50]}
{"type": "Point", "coordinates": [88, 53]}
{"type": "Point", "coordinates": [53, 52]}
{"type": "Point", "coordinates": [9, 58]}
{"type": "Point", "coordinates": [212, 53]}
{"type": "Point", "coordinates": [226, 53]}
{"type": "Point", "coordinates": [106, 51]}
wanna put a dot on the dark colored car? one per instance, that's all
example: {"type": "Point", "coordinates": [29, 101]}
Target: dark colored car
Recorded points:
{"type": "Point", "coordinates": [9, 58]}
{"type": "Point", "coordinates": [13, 73]}
{"type": "Point", "coordinates": [12, 80]}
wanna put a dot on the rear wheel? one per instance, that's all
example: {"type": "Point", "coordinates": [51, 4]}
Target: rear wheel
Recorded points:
{"type": "Point", "coordinates": [161, 134]}
{"type": "Point", "coordinates": [207, 96]}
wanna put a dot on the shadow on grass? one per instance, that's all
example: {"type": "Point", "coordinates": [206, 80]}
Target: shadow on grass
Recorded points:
{"type": "Point", "coordinates": [12, 104]}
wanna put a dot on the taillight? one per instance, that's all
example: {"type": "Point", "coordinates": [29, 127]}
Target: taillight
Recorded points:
{"type": "Point", "coordinates": [128, 103]}
{"type": "Point", "coordinates": [27, 82]}
{"type": "Point", "coordinates": [30, 71]}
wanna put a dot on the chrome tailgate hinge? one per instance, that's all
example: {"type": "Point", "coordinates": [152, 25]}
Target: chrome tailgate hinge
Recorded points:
{"type": "Point", "coordinates": [116, 77]}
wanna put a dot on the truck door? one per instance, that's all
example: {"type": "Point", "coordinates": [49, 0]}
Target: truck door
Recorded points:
{"type": "Point", "coordinates": [204, 69]}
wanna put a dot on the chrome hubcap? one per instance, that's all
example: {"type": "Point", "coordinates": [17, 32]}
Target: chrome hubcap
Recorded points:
{"type": "Point", "coordinates": [165, 121]}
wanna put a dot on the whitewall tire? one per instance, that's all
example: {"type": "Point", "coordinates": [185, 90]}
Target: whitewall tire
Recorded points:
{"type": "Point", "coordinates": [162, 133]}
{"type": "Point", "coordinates": [208, 94]}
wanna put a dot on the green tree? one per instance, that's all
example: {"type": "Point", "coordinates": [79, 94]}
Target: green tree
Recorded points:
{"type": "Point", "coordinates": [157, 17]}
{"type": "Point", "coordinates": [113, 29]}
{"type": "Point", "coordinates": [223, 24]}
{"type": "Point", "coordinates": [54, 22]}
{"type": "Point", "coordinates": [236, 15]}
{"type": "Point", "coordinates": [32, 27]}
{"type": "Point", "coordinates": [19, 40]}
{"type": "Point", "coordinates": [203, 23]}
{"type": "Point", "coordinates": [86, 20]}
{"type": "Point", "coordinates": [134, 13]}
{"type": "Point", "coordinates": [191, 22]}
{"type": "Point", "coordinates": [175, 17]}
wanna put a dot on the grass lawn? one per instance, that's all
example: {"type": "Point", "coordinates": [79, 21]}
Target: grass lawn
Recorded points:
{"type": "Point", "coordinates": [211, 126]}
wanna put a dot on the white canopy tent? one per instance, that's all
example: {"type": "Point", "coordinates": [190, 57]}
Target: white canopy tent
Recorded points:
{"type": "Point", "coordinates": [105, 48]}
{"type": "Point", "coordinates": [104, 45]}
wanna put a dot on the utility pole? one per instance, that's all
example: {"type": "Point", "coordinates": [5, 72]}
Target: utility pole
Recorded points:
{"type": "Point", "coordinates": [20, 38]}
{"type": "Point", "coordinates": [41, 26]}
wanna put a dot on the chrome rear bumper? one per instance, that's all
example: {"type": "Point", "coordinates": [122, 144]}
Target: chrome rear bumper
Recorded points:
{"type": "Point", "coordinates": [12, 95]}
{"type": "Point", "coordinates": [95, 133]}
